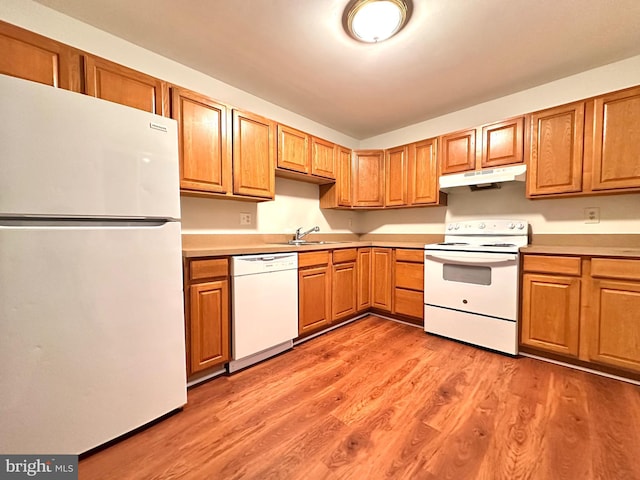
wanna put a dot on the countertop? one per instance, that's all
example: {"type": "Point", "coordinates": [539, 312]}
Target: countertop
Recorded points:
{"type": "Point", "coordinates": [587, 251]}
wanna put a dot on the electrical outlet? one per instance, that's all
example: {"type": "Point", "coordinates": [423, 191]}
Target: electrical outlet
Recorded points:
{"type": "Point", "coordinates": [592, 215]}
{"type": "Point", "coordinates": [245, 219]}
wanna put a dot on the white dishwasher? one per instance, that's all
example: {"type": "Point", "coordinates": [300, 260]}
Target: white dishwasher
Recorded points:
{"type": "Point", "coordinates": [264, 306]}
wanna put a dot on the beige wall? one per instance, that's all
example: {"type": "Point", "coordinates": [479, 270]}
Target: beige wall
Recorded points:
{"type": "Point", "coordinates": [296, 203]}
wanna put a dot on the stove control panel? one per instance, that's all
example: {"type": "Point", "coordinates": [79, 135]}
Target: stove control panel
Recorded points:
{"type": "Point", "coordinates": [489, 227]}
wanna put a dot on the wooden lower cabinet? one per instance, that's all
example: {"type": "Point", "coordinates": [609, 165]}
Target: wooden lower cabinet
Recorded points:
{"type": "Point", "coordinates": [364, 279]}
{"type": "Point", "coordinates": [344, 284]}
{"type": "Point", "coordinates": [408, 284]}
{"type": "Point", "coordinates": [381, 269]}
{"type": "Point", "coordinates": [583, 309]}
{"type": "Point", "coordinates": [207, 313]}
{"type": "Point", "coordinates": [314, 292]}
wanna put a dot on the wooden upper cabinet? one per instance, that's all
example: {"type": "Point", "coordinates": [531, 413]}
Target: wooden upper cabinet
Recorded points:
{"type": "Point", "coordinates": [343, 180]}
{"type": "Point", "coordinates": [253, 155]}
{"type": "Point", "coordinates": [556, 147]}
{"type": "Point", "coordinates": [423, 173]}
{"type": "Point", "coordinates": [205, 146]}
{"type": "Point", "coordinates": [33, 57]}
{"type": "Point", "coordinates": [323, 161]}
{"type": "Point", "coordinates": [293, 149]}
{"type": "Point", "coordinates": [396, 170]}
{"type": "Point", "coordinates": [458, 152]}
{"type": "Point", "coordinates": [115, 83]}
{"type": "Point", "coordinates": [616, 140]}
{"type": "Point", "coordinates": [503, 143]}
{"type": "Point", "coordinates": [368, 178]}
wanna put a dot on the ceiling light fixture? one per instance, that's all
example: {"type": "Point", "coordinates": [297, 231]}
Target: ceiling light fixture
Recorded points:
{"type": "Point", "coordinates": [374, 21]}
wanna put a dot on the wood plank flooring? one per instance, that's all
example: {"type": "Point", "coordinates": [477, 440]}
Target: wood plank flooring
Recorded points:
{"type": "Point", "coordinates": [381, 400]}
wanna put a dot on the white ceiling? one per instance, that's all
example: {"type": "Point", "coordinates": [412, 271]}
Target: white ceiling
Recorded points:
{"type": "Point", "coordinates": [452, 54]}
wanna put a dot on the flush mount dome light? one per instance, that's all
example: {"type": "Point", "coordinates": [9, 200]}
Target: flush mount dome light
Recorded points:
{"type": "Point", "coordinates": [374, 21]}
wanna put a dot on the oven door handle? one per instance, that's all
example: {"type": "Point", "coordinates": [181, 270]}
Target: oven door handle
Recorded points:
{"type": "Point", "coordinates": [473, 258]}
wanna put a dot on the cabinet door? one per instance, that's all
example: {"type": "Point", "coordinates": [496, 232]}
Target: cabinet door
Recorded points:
{"type": "Point", "coordinates": [458, 152]}
{"type": "Point", "coordinates": [368, 180]}
{"type": "Point", "coordinates": [503, 143]}
{"type": "Point", "coordinates": [364, 279]}
{"type": "Point", "coordinates": [614, 329]}
{"type": "Point", "coordinates": [208, 325]}
{"type": "Point", "coordinates": [396, 169]}
{"type": "Point", "coordinates": [205, 153]}
{"type": "Point", "coordinates": [555, 162]}
{"type": "Point", "coordinates": [343, 293]}
{"type": "Point", "coordinates": [423, 173]}
{"type": "Point", "coordinates": [253, 155]}
{"type": "Point", "coordinates": [551, 313]}
{"type": "Point", "coordinates": [293, 149]}
{"type": "Point", "coordinates": [33, 57]}
{"type": "Point", "coordinates": [616, 140]}
{"type": "Point", "coordinates": [343, 180]}
{"type": "Point", "coordinates": [314, 299]}
{"type": "Point", "coordinates": [115, 83]}
{"type": "Point", "coordinates": [323, 161]}
{"type": "Point", "coordinates": [382, 286]}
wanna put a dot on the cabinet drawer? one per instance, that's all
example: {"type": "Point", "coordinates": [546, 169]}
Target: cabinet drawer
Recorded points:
{"type": "Point", "coordinates": [214, 267]}
{"type": "Point", "coordinates": [405, 255]}
{"type": "Point", "coordinates": [615, 268]}
{"type": "Point", "coordinates": [408, 302]}
{"type": "Point", "coordinates": [345, 255]}
{"type": "Point", "coordinates": [552, 264]}
{"type": "Point", "coordinates": [410, 275]}
{"type": "Point", "coordinates": [310, 259]}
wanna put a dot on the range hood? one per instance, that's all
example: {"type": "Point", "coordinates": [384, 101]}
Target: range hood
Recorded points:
{"type": "Point", "coordinates": [484, 179]}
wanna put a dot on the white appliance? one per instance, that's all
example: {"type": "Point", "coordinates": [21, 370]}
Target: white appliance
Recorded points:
{"type": "Point", "coordinates": [91, 310]}
{"type": "Point", "coordinates": [471, 283]}
{"type": "Point", "coordinates": [265, 306]}
{"type": "Point", "coordinates": [482, 179]}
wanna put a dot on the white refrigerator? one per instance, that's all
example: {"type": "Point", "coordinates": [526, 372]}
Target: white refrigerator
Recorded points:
{"type": "Point", "coordinates": [91, 310]}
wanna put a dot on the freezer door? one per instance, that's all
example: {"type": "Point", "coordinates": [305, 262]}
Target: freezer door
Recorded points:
{"type": "Point", "coordinates": [66, 154]}
{"type": "Point", "coordinates": [91, 334]}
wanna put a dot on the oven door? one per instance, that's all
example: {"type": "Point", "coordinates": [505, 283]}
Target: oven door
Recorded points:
{"type": "Point", "coordinates": [484, 283]}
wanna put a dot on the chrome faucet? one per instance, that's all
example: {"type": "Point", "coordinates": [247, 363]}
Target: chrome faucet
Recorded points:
{"type": "Point", "coordinates": [300, 234]}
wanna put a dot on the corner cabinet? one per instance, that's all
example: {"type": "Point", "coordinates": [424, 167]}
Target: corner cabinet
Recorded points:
{"type": "Point", "coordinates": [368, 178]}
{"type": "Point", "coordinates": [583, 310]}
{"type": "Point", "coordinates": [254, 150]}
{"type": "Point", "coordinates": [207, 314]}
{"type": "Point", "coordinates": [381, 271]}
{"type": "Point", "coordinates": [204, 142]}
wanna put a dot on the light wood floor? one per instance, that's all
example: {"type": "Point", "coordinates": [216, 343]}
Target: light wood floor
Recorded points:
{"type": "Point", "coordinates": [382, 400]}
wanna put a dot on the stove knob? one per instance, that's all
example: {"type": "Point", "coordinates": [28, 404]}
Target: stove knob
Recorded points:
{"type": "Point", "coordinates": [457, 226]}
{"type": "Point", "coordinates": [450, 226]}
{"type": "Point", "coordinates": [520, 226]}
{"type": "Point", "coordinates": [481, 226]}
{"type": "Point", "coordinates": [512, 226]}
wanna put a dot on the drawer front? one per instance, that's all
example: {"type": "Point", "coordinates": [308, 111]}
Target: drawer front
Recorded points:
{"type": "Point", "coordinates": [615, 268]}
{"type": "Point", "coordinates": [410, 275]}
{"type": "Point", "coordinates": [345, 255]}
{"type": "Point", "coordinates": [311, 259]}
{"type": "Point", "coordinates": [552, 264]}
{"type": "Point", "coordinates": [405, 255]}
{"type": "Point", "coordinates": [208, 268]}
{"type": "Point", "coordinates": [408, 302]}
